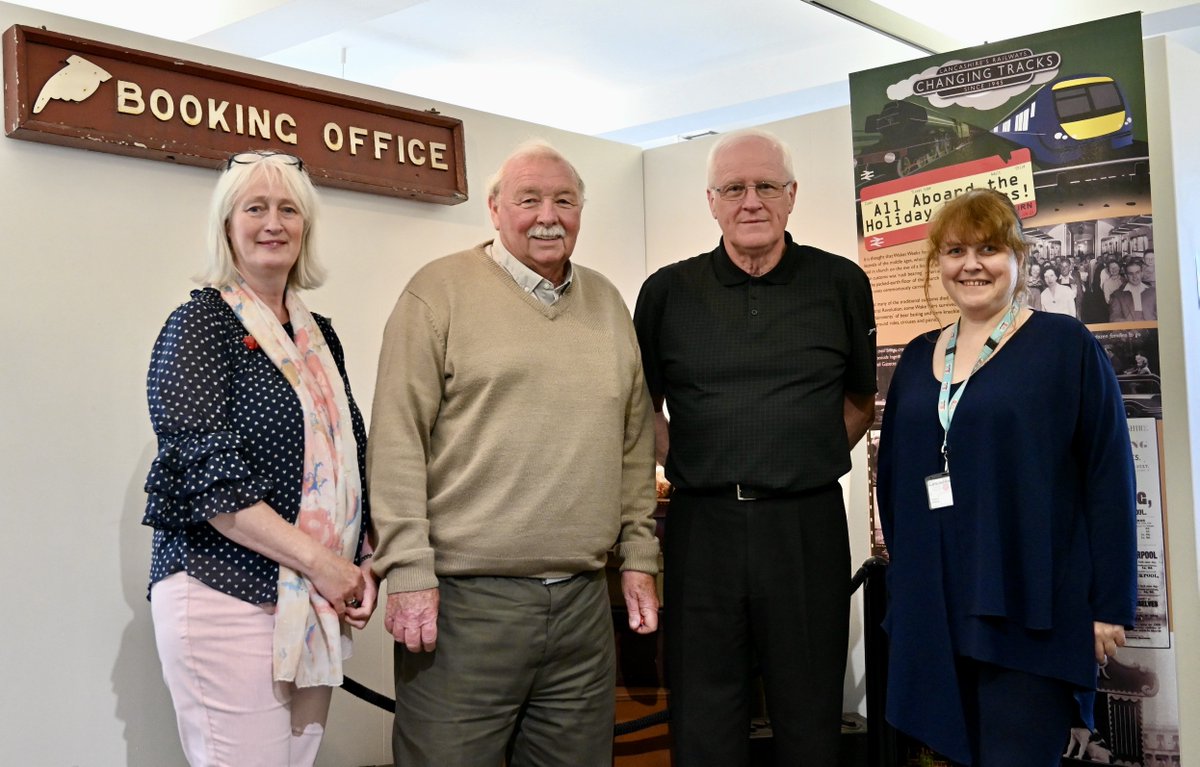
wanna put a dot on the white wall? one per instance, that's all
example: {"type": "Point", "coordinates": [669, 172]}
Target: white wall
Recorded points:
{"type": "Point", "coordinates": [95, 251]}
{"type": "Point", "coordinates": [679, 225]}
{"type": "Point", "coordinates": [1174, 105]}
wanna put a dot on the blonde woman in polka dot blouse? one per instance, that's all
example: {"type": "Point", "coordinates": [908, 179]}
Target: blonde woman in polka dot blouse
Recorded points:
{"type": "Point", "coordinates": [257, 497]}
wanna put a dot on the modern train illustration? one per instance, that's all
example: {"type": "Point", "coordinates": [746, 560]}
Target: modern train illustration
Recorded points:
{"type": "Point", "coordinates": [1080, 117]}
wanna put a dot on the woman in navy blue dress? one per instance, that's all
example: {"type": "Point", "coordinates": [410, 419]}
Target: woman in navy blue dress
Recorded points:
{"type": "Point", "coordinates": [1007, 506]}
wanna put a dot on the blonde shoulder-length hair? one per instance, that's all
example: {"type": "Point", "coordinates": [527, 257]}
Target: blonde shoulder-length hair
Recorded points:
{"type": "Point", "coordinates": [285, 170]}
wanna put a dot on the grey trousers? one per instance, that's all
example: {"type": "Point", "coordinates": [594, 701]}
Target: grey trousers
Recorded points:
{"type": "Point", "coordinates": [520, 666]}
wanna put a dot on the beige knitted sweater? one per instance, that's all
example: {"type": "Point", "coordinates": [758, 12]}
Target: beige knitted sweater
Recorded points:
{"type": "Point", "coordinates": [508, 437]}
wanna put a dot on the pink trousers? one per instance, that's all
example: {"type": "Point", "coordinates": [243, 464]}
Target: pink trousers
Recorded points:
{"type": "Point", "coordinates": [216, 659]}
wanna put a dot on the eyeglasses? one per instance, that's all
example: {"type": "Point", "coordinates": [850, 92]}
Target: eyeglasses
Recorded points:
{"type": "Point", "coordinates": [766, 190]}
{"type": "Point", "coordinates": [249, 158]}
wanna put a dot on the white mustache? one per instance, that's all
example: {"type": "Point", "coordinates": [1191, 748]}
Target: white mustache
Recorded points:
{"type": "Point", "coordinates": [540, 232]}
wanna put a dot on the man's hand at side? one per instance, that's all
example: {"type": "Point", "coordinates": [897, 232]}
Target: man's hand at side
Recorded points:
{"type": "Point", "coordinates": [411, 618]}
{"type": "Point", "coordinates": [641, 600]}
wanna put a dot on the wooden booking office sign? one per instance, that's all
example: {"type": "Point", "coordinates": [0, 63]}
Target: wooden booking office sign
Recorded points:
{"type": "Point", "coordinates": [81, 93]}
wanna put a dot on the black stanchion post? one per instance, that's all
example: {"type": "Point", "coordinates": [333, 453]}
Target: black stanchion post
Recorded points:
{"type": "Point", "coordinates": [883, 747]}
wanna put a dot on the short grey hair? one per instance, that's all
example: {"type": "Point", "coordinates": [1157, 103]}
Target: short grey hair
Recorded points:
{"type": "Point", "coordinates": [221, 270]}
{"type": "Point", "coordinates": [727, 140]}
{"type": "Point", "coordinates": [533, 148]}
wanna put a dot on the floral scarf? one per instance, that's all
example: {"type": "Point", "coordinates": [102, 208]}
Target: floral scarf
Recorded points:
{"type": "Point", "coordinates": [310, 642]}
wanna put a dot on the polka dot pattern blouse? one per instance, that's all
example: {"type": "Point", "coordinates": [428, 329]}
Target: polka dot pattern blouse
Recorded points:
{"type": "Point", "coordinates": [229, 435]}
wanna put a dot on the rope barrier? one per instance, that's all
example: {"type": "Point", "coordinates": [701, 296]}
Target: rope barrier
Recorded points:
{"type": "Point", "coordinates": [362, 692]}
{"type": "Point", "coordinates": [641, 723]}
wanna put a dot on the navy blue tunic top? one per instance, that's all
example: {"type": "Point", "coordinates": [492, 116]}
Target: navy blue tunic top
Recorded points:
{"type": "Point", "coordinates": [1039, 542]}
{"type": "Point", "coordinates": [230, 434]}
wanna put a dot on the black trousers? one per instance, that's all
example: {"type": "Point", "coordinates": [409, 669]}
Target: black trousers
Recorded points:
{"type": "Point", "coordinates": [763, 582]}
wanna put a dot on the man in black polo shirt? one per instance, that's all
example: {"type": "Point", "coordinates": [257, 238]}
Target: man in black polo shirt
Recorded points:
{"type": "Point", "coordinates": [764, 351]}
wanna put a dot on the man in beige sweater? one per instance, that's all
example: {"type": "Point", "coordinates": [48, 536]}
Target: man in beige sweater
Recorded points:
{"type": "Point", "coordinates": [511, 448]}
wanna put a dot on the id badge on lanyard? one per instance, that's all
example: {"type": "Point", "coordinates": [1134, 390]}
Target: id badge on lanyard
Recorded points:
{"type": "Point", "coordinates": [937, 486]}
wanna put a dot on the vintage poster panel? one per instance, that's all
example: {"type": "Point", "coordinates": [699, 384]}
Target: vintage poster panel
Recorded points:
{"type": "Point", "coordinates": [1057, 121]}
{"type": "Point", "coordinates": [1152, 629]}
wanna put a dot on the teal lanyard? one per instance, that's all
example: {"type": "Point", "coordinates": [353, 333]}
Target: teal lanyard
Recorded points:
{"type": "Point", "coordinates": [947, 404]}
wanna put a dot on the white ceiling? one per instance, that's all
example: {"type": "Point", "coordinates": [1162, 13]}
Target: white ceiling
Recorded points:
{"type": "Point", "coordinates": [645, 72]}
